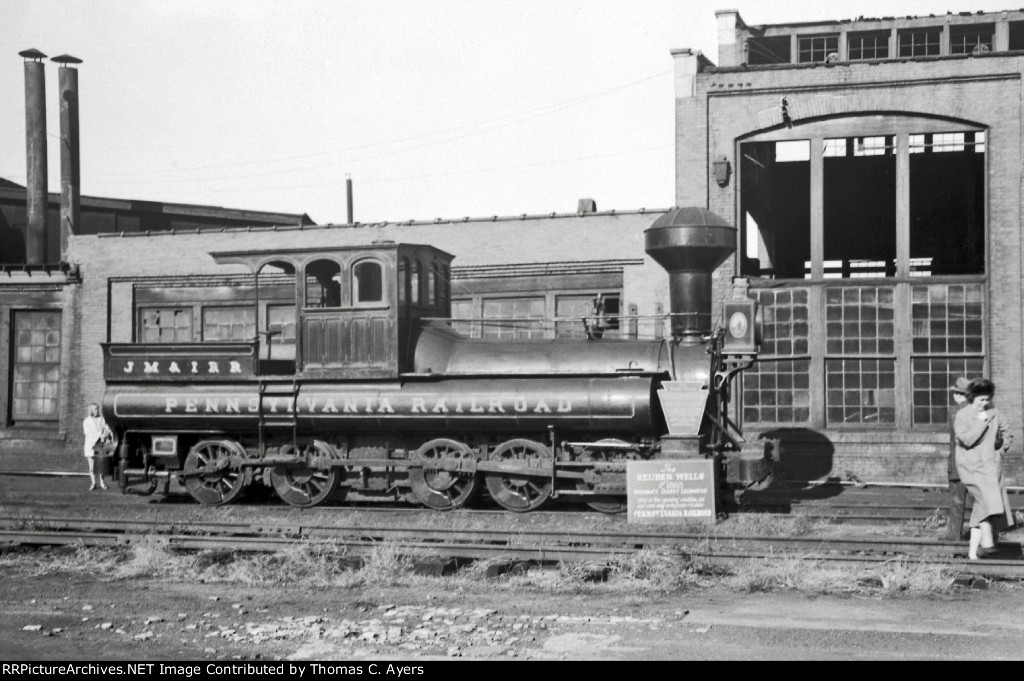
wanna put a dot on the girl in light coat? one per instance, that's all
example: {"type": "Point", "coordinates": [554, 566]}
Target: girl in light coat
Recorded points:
{"type": "Point", "coordinates": [96, 430]}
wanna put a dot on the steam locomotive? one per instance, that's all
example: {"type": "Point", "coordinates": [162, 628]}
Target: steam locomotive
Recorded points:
{"type": "Point", "coordinates": [385, 400]}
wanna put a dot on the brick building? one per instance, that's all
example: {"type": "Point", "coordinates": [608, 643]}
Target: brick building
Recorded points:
{"type": "Point", "coordinates": [872, 169]}
{"type": "Point", "coordinates": [42, 319]}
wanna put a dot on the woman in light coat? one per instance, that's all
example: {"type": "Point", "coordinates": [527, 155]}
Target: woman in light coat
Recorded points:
{"type": "Point", "coordinates": [981, 436]}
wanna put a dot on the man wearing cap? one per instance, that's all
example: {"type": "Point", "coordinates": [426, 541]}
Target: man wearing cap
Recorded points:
{"type": "Point", "coordinates": [957, 489]}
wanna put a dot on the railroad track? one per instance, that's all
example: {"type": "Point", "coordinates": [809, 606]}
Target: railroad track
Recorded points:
{"type": "Point", "coordinates": [511, 545]}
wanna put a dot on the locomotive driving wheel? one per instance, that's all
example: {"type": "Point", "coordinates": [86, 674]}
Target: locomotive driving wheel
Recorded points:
{"type": "Point", "coordinates": [594, 479]}
{"type": "Point", "coordinates": [306, 486]}
{"type": "Point", "coordinates": [440, 483]}
{"type": "Point", "coordinates": [209, 477]}
{"type": "Point", "coordinates": [514, 492]}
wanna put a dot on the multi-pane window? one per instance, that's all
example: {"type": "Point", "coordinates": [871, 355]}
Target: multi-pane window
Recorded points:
{"type": "Point", "coordinates": [933, 377]}
{"type": "Point", "coordinates": [36, 367]}
{"type": "Point", "coordinates": [948, 319]}
{"type": "Point", "coordinates": [860, 391]}
{"type": "Point", "coordinates": [229, 323]}
{"type": "Point", "coordinates": [777, 391]}
{"type": "Point", "coordinates": [860, 321]}
{"type": "Point", "coordinates": [513, 318]}
{"type": "Point", "coordinates": [971, 38]}
{"type": "Point", "coordinates": [777, 388]}
{"type": "Point", "coordinates": [165, 325]}
{"type": "Point", "coordinates": [919, 42]}
{"type": "Point", "coordinates": [814, 48]}
{"type": "Point", "coordinates": [873, 45]}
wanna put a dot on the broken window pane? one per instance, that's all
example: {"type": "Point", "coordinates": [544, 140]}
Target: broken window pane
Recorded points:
{"type": "Point", "coordinates": [768, 50]}
{"type": "Point", "coordinates": [947, 203]}
{"type": "Point", "coordinates": [859, 201]}
{"type": "Point", "coordinates": [776, 208]}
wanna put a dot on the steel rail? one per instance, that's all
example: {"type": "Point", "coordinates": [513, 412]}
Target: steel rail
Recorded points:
{"type": "Point", "coordinates": [1010, 569]}
{"type": "Point", "coordinates": [636, 540]}
{"type": "Point", "coordinates": [495, 537]}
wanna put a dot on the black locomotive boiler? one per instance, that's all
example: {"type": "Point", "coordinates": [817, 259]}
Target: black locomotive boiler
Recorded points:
{"type": "Point", "coordinates": [385, 400]}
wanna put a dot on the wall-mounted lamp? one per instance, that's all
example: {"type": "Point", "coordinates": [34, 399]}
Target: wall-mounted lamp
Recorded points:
{"type": "Point", "coordinates": [722, 169]}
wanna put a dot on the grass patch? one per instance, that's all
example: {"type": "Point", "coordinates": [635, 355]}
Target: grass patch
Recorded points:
{"type": "Point", "coordinates": [811, 575]}
{"type": "Point", "coordinates": [317, 565]}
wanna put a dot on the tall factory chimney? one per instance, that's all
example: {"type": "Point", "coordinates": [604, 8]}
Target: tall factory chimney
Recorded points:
{"type": "Point", "coordinates": [70, 171]}
{"type": "Point", "coordinates": [348, 194]}
{"type": "Point", "coordinates": [35, 145]}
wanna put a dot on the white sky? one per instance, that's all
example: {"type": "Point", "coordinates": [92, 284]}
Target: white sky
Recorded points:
{"type": "Point", "coordinates": [436, 108]}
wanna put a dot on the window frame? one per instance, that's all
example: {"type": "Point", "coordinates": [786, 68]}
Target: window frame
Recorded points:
{"type": "Point", "coordinates": [900, 129]}
{"type": "Point", "coordinates": [30, 419]}
{"type": "Point", "coordinates": [355, 287]}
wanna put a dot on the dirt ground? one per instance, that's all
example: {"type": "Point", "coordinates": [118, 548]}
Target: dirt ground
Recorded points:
{"type": "Point", "coordinates": [55, 618]}
{"type": "Point", "coordinates": [75, 616]}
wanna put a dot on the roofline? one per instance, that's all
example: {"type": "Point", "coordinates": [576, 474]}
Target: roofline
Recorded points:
{"type": "Point", "coordinates": [948, 17]}
{"type": "Point", "coordinates": [363, 225]}
{"type": "Point", "coordinates": [7, 192]}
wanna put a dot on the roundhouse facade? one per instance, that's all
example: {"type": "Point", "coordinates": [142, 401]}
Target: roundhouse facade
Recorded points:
{"type": "Point", "coordinates": [872, 169]}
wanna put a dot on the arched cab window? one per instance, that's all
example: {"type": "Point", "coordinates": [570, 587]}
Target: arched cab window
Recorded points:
{"type": "Point", "coordinates": [323, 284]}
{"type": "Point", "coordinates": [416, 282]}
{"type": "Point", "coordinates": [403, 280]}
{"type": "Point", "coordinates": [442, 286]}
{"type": "Point", "coordinates": [367, 282]}
{"type": "Point", "coordinates": [432, 281]}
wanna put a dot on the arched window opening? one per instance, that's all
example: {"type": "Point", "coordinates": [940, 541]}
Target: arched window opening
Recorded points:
{"type": "Point", "coordinates": [403, 280]}
{"type": "Point", "coordinates": [432, 276]}
{"type": "Point", "coordinates": [323, 284]}
{"type": "Point", "coordinates": [415, 282]}
{"type": "Point", "coordinates": [367, 282]}
{"type": "Point", "coordinates": [443, 287]}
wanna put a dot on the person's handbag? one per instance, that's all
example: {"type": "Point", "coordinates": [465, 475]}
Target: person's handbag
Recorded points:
{"type": "Point", "coordinates": [103, 448]}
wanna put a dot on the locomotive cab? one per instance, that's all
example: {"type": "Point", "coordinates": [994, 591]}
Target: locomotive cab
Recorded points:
{"type": "Point", "coordinates": [358, 309]}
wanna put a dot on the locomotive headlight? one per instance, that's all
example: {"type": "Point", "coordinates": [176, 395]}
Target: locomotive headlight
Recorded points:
{"type": "Point", "coordinates": [742, 327]}
{"type": "Point", "coordinates": [738, 325]}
